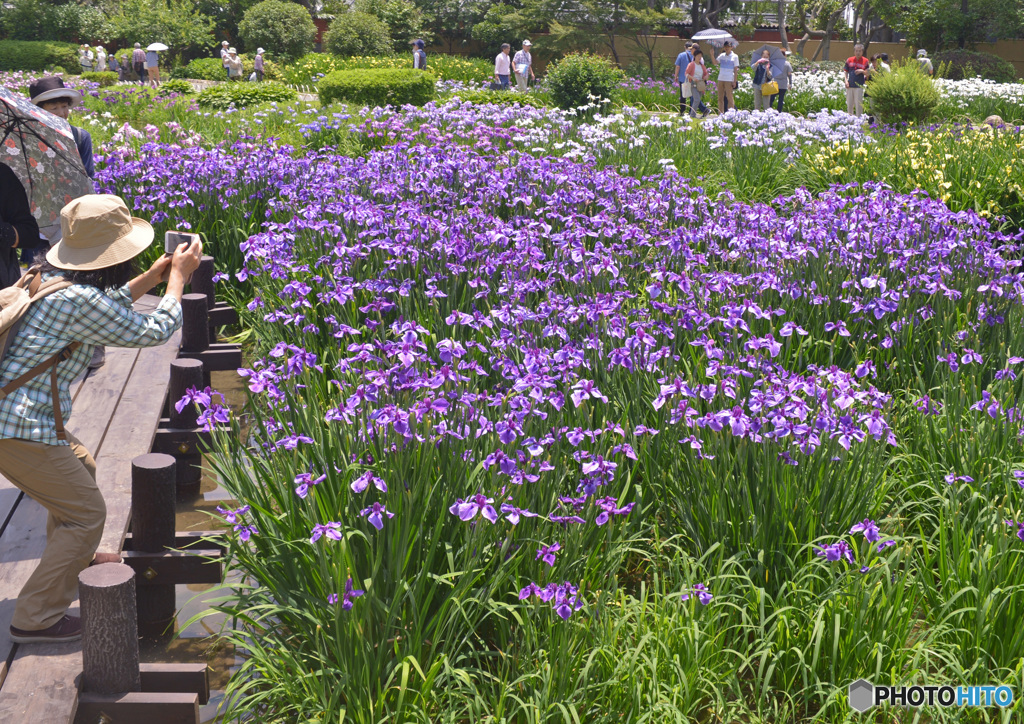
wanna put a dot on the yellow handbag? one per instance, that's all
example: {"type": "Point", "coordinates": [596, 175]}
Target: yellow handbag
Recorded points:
{"type": "Point", "coordinates": [769, 88]}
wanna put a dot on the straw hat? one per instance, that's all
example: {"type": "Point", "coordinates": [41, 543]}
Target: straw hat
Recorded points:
{"type": "Point", "coordinates": [98, 231]}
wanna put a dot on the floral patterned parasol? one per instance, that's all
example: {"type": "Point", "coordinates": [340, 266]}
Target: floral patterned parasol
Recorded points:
{"type": "Point", "coordinates": [40, 149]}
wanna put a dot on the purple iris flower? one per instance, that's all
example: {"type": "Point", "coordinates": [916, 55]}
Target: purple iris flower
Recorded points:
{"type": "Point", "coordinates": [232, 516]}
{"type": "Point", "coordinates": [304, 481]}
{"type": "Point", "coordinates": [547, 553]}
{"type": "Point", "coordinates": [1020, 527]}
{"type": "Point", "coordinates": [836, 551]}
{"type": "Point", "coordinates": [467, 510]}
{"type": "Point", "coordinates": [701, 592]}
{"type": "Point", "coordinates": [512, 513]}
{"type": "Point", "coordinates": [363, 482]}
{"type": "Point", "coordinates": [375, 514]}
{"type": "Point", "coordinates": [869, 528]}
{"type": "Point", "coordinates": [348, 597]}
{"type": "Point", "coordinates": [194, 396]}
{"type": "Point", "coordinates": [331, 530]}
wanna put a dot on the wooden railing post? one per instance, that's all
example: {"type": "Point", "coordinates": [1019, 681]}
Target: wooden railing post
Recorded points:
{"type": "Point", "coordinates": [195, 323]}
{"type": "Point", "coordinates": [154, 487]}
{"type": "Point", "coordinates": [202, 281]}
{"type": "Point", "coordinates": [110, 635]}
{"type": "Point", "coordinates": [186, 373]}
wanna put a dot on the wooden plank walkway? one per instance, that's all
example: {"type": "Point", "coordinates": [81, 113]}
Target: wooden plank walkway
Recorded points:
{"type": "Point", "coordinates": [116, 412]}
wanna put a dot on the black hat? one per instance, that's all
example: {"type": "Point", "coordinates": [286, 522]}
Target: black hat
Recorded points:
{"type": "Point", "coordinates": [46, 89]}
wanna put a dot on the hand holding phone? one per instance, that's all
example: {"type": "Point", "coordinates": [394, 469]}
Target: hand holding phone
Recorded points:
{"type": "Point", "coordinates": [174, 239]}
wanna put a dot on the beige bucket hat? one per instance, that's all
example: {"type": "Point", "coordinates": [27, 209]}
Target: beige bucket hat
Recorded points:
{"type": "Point", "coordinates": [98, 231]}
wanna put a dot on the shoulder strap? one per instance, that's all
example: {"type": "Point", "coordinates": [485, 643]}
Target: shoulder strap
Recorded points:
{"type": "Point", "coordinates": [38, 289]}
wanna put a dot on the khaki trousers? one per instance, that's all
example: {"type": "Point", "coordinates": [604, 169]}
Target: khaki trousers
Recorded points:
{"type": "Point", "coordinates": [855, 101]}
{"type": "Point", "coordinates": [725, 94]}
{"type": "Point", "coordinates": [62, 479]}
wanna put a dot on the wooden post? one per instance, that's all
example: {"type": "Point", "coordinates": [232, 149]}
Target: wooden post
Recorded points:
{"type": "Point", "coordinates": [195, 323]}
{"type": "Point", "coordinates": [154, 486]}
{"type": "Point", "coordinates": [202, 281]}
{"type": "Point", "coordinates": [186, 373]}
{"type": "Point", "coordinates": [110, 636]}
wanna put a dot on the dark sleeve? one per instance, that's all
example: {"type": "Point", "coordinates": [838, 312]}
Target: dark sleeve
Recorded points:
{"type": "Point", "coordinates": [85, 151]}
{"type": "Point", "coordinates": [15, 213]}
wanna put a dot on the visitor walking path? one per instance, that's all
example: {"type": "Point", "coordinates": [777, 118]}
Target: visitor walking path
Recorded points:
{"type": "Point", "coordinates": [116, 412]}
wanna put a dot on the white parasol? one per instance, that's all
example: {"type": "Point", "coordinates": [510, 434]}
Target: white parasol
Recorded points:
{"type": "Point", "coordinates": [714, 36]}
{"type": "Point", "coordinates": [157, 46]}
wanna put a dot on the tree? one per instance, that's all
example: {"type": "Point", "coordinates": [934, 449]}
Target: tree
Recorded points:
{"type": "Point", "coordinates": [646, 21]}
{"type": "Point", "coordinates": [177, 23]}
{"type": "Point", "coordinates": [811, 15]}
{"type": "Point", "coordinates": [942, 24]}
{"type": "Point", "coordinates": [503, 23]}
{"type": "Point", "coordinates": [450, 21]}
{"type": "Point", "coordinates": [42, 20]}
{"type": "Point", "coordinates": [283, 28]}
{"type": "Point", "coordinates": [355, 33]}
{"type": "Point", "coordinates": [403, 19]}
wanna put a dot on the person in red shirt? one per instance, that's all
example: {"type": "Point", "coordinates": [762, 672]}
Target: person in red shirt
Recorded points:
{"type": "Point", "coordinates": [856, 73]}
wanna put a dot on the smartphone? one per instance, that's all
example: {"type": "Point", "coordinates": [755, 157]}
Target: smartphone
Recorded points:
{"type": "Point", "coordinates": [174, 239]}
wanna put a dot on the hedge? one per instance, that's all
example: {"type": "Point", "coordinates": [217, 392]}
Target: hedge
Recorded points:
{"type": "Point", "coordinates": [377, 87]}
{"type": "Point", "coordinates": [240, 95]}
{"type": "Point", "coordinates": [961, 64]}
{"type": "Point", "coordinates": [103, 78]}
{"type": "Point", "coordinates": [499, 97]}
{"type": "Point", "coordinates": [37, 54]}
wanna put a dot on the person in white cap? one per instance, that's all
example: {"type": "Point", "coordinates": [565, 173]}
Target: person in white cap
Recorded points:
{"type": "Point", "coordinates": [89, 290]}
{"type": "Point", "coordinates": [522, 64]}
{"type": "Point", "coordinates": [234, 64]}
{"type": "Point", "coordinates": [924, 61]}
{"type": "Point", "coordinates": [257, 64]}
{"type": "Point", "coordinates": [101, 59]}
{"type": "Point", "coordinates": [85, 58]}
{"type": "Point", "coordinates": [224, 58]}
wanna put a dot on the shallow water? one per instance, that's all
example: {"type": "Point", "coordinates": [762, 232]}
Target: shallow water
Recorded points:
{"type": "Point", "coordinates": [199, 641]}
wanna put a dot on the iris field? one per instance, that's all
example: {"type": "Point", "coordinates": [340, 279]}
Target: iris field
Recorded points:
{"type": "Point", "coordinates": [607, 418]}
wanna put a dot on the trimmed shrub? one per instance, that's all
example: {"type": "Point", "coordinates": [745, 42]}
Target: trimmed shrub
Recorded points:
{"type": "Point", "coordinates": [964, 64]}
{"type": "Point", "coordinates": [104, 78]}
{"type": "Point", "coordinates": [579, 77]}
{"type": "Point", "coordinates": [37, 55]}
{"type": "Point", "coordinates": [283, 27]}
{"type": "Point", "coordinates": [444, 67]}
{"type": "Point", "coordinates": [904, 95]}
{"type": "Point", "coordinates": [377, 87]}
{"type": "Point", "coordinates": [175, 85]}
{"type": "Point", "coordinates": [355, 33]}
{"type": "Point", "coordinates": [240, 95]}
{"type": "Point", "coordinates": [499, 98]}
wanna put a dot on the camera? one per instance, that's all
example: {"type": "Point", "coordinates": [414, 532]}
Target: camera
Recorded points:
{"type": "Point", "coordinates": [174, 239]}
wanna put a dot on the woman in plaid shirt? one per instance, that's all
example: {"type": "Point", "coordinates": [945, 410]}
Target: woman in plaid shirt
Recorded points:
{"type": "Point", "coordinates": [96, 255]}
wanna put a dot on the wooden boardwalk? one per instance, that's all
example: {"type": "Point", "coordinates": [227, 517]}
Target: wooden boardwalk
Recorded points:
{"type": "Point", "coordinates": [116, 412]}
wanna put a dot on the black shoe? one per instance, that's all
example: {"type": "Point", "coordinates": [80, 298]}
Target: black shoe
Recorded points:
{"type": "Point", "coordinates": [99, 356]}
{"type": "Point", "coordinates": [67, 629]}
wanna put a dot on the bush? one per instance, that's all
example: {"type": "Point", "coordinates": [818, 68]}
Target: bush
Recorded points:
{"type": "Point", "coordinates": [356, 33]}
{"type": "Point", "coordinates": [175, 85]}
{"type": "Point", "coordinates": [284, 28]}
{"type": "Point", "coordinates": [501, 98]}
{"type": "Point", "coordinates": [377, 87]}
{"type": "Point", "coordinates": [403, 18]}
{"type": "Point", "coordinates": [310, 68]}
{"type": "Point", "coordinates": [963, 64]}
{"type": "Point", "coordinates": [444, 67]}
{"type": "Point", "coordinates": [578, 77]}
{"type": "Point", "coordinates": [904, 95]}
{"type": "Point", "coordinates": [240, 95]}
{"type": "Point", "coordinates": [37, 55]}
{"type": "Point", "coordinates": [104, 78]}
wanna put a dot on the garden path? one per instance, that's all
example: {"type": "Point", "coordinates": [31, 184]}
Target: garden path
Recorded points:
{"type": "Point", "coordinates": [117, 410]}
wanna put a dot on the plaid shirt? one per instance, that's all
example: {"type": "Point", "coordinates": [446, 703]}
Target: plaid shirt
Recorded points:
{"type": "Point", "coordinates": [76, 314]}
{"type": "Point", "coordinates": [138, 56]}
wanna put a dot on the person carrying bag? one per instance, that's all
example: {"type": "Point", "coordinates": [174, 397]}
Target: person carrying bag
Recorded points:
{"type": "Point", "coordinates": [80, 295]}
